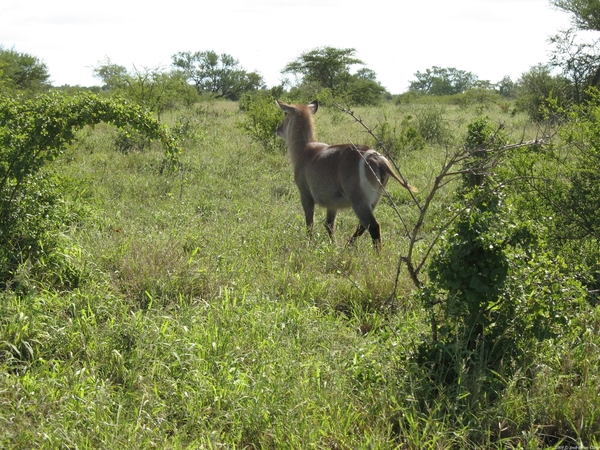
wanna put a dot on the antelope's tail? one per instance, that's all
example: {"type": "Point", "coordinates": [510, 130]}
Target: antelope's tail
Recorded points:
{"type": "Point", "coordinates": [388, 168]}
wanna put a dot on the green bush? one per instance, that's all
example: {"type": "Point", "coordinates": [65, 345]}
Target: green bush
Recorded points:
{"type": "Point", "coordinates": [402, 139]}
{"type": "Point", "coordinates": [493, 287]}
{"type": "Point", "coordinates": [33, 133]}
{"type": "Point", "coordinates": [431, 125]}
{"type": "Point", "coordinates": [539, 92]}
{"type": "Point", "coordinates": [560, 183]}
{"type": "Point", "coordinates": [262, 119]}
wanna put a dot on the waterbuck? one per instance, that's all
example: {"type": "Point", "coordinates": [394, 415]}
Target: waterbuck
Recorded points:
{"type": "Point", "coordinates": [334, 176]}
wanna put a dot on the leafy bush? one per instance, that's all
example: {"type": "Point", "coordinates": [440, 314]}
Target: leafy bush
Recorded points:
{"type": "Point", "coordinates": [399, 140]}
{"type": "Point", "coordinates": [493, 288]}
{"type": "Point", "coordinates": [583, 196]}
{"type": "Point", "coordinates": [431, 125]}
{"type": "Point", "coordinates": [262, 119]}
{"type": "Point", "coordinates": [560, 183]}
{"type": "Point", "coordinates": [536, 87]}
{"type": "Point", "coordinates": [33, 133]}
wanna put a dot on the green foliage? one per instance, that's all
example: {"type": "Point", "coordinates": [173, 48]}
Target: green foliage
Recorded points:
{"type": "Point", "coordinates": [586, 13]}
{"type": "Point", "coordinates": [560, 184]}
{"type": "Point", "coordinates": [363, 91]}
{"type": "Point", "coordinates": [574, 197]}
{"type": "Point", "coordinates": [487, 278]}
{"type": "Point", "coordinates": [579, 62]}
{"type": "Point", "coordinates": [479, 97]}
{"type": "Point", "coordinates": [113, 76]}
{"type": "Point", "coordinates": [220, 75]}
{"type": "Point", "coordinates": [199, 314]}
{"type": "Point", "coordinates": [443, 81]}
{"type": "Point", "coordinates": [402, 139]}
{"type": "Point", "coordinates": [327, 66]}
{"type": "Point", "coordinates": [492, 272]}
{"type": "Point", "coordinates": [154, 89]}
{"type": "Point", "coordinates": [129, 140]}
{"type": "Point", "coordinates": [431, 125]}
{"type": "Point", "coordinates": [540, 93]}
{"type": "Point", "coordinates": [506, 87]}
{"type": "Point", "coordinates": [329, 69]}
{"type": "Point", "coordinates": [262, 117]}
{"type": "Point", "coordinates": [22, 73]}
{"type": "Point", "coordinates": [482, 138]}
{"type": "Point", "coordinates": [34, 133]}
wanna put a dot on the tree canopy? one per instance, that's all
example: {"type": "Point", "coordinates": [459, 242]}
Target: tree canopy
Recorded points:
{"type": "Point", "coordinates": [577, 57]}
{"type": "Point", "coordinates": [443, 81]}
{"type": "Point", "coordinates": [330, 69]}
{"type": "Point", "coordinates": [328, 66]}
{"type": "Point", "coordinates": [220, 75]}
{"type": "Point", "coordinates": [586, 13]}
{"type": "Point", "coordinates": [155, 89]}
{"type": "Point", "coordinates": [22, 72]}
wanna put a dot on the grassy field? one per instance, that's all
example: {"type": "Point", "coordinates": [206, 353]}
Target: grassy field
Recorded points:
{"type": "Point", "coordinates": [202, 316]}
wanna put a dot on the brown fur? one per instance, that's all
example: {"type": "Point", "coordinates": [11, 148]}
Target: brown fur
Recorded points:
{"type": "Point", "coordinates": [334, 176]}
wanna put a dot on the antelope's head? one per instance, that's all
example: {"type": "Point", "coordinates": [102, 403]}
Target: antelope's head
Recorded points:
{"type": "Point", "coordinates": [297, 123]}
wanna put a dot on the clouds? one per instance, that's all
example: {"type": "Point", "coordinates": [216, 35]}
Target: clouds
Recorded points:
{"type": "Point", "coordinates": [490, 38]}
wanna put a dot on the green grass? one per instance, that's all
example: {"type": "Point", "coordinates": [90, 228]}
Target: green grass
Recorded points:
{"type": "Point", "coordinates": [206, 318]}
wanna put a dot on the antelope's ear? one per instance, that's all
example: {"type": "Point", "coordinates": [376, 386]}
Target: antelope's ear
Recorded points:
{"type": "Point", "coordinates": [283, 106]}
{"type": "Point", "coordinates": [313, 106]}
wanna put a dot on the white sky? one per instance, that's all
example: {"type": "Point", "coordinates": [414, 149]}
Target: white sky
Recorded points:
{"type": "Point", "coordinates": [395, 38]}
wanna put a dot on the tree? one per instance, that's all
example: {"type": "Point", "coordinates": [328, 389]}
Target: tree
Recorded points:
{"type": "Point", "coordinates": [113, 76]}
{"type": "Point", "coordinates": [154, 89]}
{"type": "Point", "coordinates": [220, 75]}
{"type": "Point", "coordinates": [539, 92]}
{"type": "Point", "coordinates": [586, 13]}
{"type": "Point", "coordinates": [579, 61]}
{"type": "Point", "coordinates": [22, 72]}
{"type": "Point", "coordinates": [575, 58]}
{"type": "Point", "coordinates": [506, 87]}
{"type": "Point", "coordinates": [443, 81]}
{"type": "Point", "coordinates": [329, 68]}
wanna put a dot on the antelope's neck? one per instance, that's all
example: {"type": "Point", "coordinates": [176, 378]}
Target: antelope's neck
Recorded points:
{"type": "Point", "coordinates": [300, 143]}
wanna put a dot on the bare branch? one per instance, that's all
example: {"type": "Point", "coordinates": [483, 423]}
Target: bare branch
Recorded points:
{"type": "Point", "coordinates": [379, 143]}
{"type": "Point", "coordinates": [490, 158]}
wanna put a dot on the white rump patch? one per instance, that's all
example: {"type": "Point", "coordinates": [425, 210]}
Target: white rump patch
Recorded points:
{"type": "Point", "coordinates": [372, 193]}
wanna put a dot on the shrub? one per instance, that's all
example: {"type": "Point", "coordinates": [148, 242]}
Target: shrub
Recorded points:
{"type": "Point", "coordinates": [431, 125]}
{"type": "Point", "coordinates": [262, 119]}
{"type": "Point", "coordinates": [405, 139]}
{"type": "Point", "coordinates": [536, 87]}
{"type": "Point", "coordinates": [33, 133]}
{"type": "Point", "coordinates": [561, 184]}
{"type": "Point", "coordinates": [493, 287]}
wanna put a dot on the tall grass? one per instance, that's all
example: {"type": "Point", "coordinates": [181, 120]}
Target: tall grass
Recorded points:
{"type": "Point", "coordinates": [206, 318]}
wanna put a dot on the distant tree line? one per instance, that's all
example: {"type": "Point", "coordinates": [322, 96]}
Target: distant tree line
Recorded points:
{"type": "Point", "coordinates": [330, 73]}
{"type": "Point", "coordinates": [573, 67]}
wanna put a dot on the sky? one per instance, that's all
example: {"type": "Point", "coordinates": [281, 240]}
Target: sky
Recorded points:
{"type": "Point", "coordinates": [395, 38]}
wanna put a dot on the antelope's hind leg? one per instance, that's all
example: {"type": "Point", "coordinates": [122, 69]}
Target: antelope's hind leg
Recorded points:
{"type": "Point", "coordinates": [369, 223]}
{"type": "Point", "coordinates": [330, 222]}
{"type": "Point", "coordinates": [358, 233]}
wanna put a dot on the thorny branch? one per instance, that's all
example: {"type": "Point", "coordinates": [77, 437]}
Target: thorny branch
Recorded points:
{"type": "Point", "coordinates": [450, 169]}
